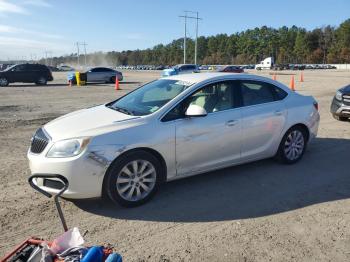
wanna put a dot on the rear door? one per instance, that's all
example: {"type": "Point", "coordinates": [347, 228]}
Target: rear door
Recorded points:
{"type": "Point", "coordinates": [263, 118]}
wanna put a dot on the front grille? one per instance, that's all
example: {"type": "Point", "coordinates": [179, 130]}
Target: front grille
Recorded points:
{"type": "Point", "coordinates": [346, 99]}
{"type": "Point", "coordinates": [39, 142]}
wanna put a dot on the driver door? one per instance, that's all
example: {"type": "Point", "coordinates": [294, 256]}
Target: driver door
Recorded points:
{"type": "Point", "coordinates": [212, 141]}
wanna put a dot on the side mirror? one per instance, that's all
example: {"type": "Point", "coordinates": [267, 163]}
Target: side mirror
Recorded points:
{"type": "Point", "coordinates": [195, 111]}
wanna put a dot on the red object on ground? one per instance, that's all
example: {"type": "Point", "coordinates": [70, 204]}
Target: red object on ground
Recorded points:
{"type": "Point", "coordinates": [292, 83]}
{"type": "Point", "coordinates": [116, 83]}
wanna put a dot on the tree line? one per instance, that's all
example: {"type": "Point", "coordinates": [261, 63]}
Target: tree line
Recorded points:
{"type": "Point", "coordinates": [327, 44]}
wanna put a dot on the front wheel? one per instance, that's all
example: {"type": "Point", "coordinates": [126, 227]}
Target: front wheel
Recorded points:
{"type": "Point", "coordinates": [292, 146]}
{"type": "Point", "coordinates": [4, 81]}
{"type": "Point", "coordinates": [133, 179]}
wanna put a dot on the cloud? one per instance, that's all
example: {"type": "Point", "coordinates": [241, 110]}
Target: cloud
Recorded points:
{"type": "Point", "coordinates": [15, 30]}
{"type": "Point", "coordinates": [39, 3]}
{"type": "Point", "coordinates": [13, 47]}
{"type": "Point", "coordinates": [6, 7]}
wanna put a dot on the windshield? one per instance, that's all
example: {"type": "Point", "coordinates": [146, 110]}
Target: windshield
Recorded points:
{"type": "Point", "coordinates": [9, 68]}
{"type": "Point", "coordinates": [150, 97]}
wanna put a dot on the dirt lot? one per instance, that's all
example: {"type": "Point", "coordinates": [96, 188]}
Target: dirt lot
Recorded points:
{"type": "Point", "coordinates": [261, 211]}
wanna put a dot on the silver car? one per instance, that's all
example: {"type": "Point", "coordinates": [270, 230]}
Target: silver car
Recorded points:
{"type": "Point", "coordinates": [103, 74]}
{"type": "Point", "coordinates": [172, 128]}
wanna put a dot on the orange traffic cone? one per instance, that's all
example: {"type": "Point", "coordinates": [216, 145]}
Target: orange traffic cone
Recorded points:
{"type": "Point", "coordinates": [292, 83]}
{"type": "Point", "coordinates": [302, 77]}
{"type": "Point", "coordinates": [274, 77]}
{"type": "Point", "coordinates": [116, 87]}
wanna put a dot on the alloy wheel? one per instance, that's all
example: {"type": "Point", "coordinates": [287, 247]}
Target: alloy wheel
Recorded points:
{"type": "Point", "coordinates": [136, 180]}
{"type": "Point", "coordinates": [294, 145]}
{"type": "Point", "coordinates": [3, 82]}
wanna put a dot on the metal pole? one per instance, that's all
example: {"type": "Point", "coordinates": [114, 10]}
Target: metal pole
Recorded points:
{"type": "Point", "coordinates": [78, 54]}
{"type": "Point", "coordinates": [85, 53]}
{"type": "Point", "coordinates": [185, 39]}
{"type": "Point", "coordinates": [195, 47]}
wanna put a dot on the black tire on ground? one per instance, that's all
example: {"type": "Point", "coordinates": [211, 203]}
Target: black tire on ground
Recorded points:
{"type": "Point", "coordinates": [341, 118]}
{"type": "Point", "coordinates": [41, 81]}
{"type": "Point", "coordinates": [281, 154]}
{"type": "Point", "coordinates": [114, 171]}
{"type": "Point", "coordinates": [112, 80]}
{"type": "Point", "coordinates": [4, 81]}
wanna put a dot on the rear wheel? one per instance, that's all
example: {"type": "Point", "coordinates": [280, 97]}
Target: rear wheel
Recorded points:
{"type": "Point", "coordinates": [41, 81]}
{"type": "Point", "coordinates": [112, 80]}
{"type": "Point", "coordinates": [4, 81]}
{"type": "Point", "coordinates": [292, 146]}
{"type": "Point", "coordinates": [133, 179]}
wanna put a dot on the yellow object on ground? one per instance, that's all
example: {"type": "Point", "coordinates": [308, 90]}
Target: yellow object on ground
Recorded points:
{"type": "Point", "coordinates": [77, 78]}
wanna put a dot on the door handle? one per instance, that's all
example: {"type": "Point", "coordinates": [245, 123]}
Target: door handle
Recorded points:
{"type": "Point", "coordinates": [278, 112]}
{"type": "Point", "coordinates": [231, 122]}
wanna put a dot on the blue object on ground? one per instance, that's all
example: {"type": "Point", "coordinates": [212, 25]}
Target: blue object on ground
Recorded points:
{"type": "Point", "coordinates": [70, 76]}
{"type": "Point", "coordinates": [95, 254]}
{"type": "Point", "coordinates": [114, 257]}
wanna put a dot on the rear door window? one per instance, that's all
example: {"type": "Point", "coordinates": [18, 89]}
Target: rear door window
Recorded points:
{"type": "Point", "coordinates": [257, 92]}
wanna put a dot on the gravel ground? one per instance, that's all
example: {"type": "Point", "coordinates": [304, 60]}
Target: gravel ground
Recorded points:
{"type": "Point", "coordinates": [262, 211]}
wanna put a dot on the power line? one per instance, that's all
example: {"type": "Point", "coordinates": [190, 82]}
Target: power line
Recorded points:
{"type": "Point", "coordinates": [196, 42]}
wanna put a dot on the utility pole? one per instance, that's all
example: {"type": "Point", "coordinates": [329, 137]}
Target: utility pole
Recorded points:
{"type": "Point", "coordinates": [77, 43]}
{"type": "Point", "coordinates": [84, 44]}
{"type": "Point", "coordinates": [196, 41]}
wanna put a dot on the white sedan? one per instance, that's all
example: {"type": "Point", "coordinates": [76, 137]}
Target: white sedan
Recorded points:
{"type": "Point", "coordinates": [172, 128]}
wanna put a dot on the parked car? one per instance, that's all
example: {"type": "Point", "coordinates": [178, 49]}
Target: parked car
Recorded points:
{"type": "Point", "coordinates": [231, 69]}
{"type": "Point", "coordinates": [279, 67]}
{"type": "Point", "coordinates": [172, 128]}
{"type": "Point", "coordinates": [340, 107]}
{"type": "Point", "coordinates": [65, 68]}
{"type": "Point", "coordinates": [181, 69]}
{"type": "Point", "coordinates": [103, 74]}
{"type": "Point", "coordinates": [26, 73]}
{"type": "Point", "coordinates": [53, 68]}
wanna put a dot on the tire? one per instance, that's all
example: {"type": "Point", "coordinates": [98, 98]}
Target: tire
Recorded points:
{"type": "Point", "coordinates": [112, 80]}
{"type": "Point", "coordinates": [41, 81]}
{"type": "Point", "coordinates": [128, 188]}
{"type": "Point", "coordinates": [4, 81]}
{"type": "Point", "coordinates": [292, 146]}
{"type": "Point", "coordinates": [341, 118]}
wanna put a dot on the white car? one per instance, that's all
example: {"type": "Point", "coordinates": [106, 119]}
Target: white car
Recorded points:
{"type": "Point", "coordinates": [172, 128]}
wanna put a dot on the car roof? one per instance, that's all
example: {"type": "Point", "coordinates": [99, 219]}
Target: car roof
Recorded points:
{"type": "Point", "coordinates": [200, 77]}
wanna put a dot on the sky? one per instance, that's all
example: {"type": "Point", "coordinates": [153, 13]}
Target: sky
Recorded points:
{"type": "Point", "coordinates": [30, 29]}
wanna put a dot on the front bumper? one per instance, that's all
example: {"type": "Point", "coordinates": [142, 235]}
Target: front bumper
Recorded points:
{"type": "Point", "coordinates": [340, 109]}
{"type": "Point", "coordinates": [84, 172]}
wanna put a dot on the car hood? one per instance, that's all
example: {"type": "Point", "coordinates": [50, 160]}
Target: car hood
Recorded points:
{"type": "Point", "coordinates": [345, 89]}
{"type": "Point", "coordinates": [88, 122]}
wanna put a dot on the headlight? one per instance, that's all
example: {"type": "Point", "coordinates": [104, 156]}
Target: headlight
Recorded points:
{"type": "Point", "coordinates": [69, 147]}
{"type": "Point", "coordinates": [339, 96]}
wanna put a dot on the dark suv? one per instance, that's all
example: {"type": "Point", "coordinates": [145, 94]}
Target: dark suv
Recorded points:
{"type": "Point", "coordinates": [26, 73]}
{"type": "Point", "coordinates": [340, 107]}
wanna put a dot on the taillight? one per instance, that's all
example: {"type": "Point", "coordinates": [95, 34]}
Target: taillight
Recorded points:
{"type": "Point", "coordinates": [316, 105]}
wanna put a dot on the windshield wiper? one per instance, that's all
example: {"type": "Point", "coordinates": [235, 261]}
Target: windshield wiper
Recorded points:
{"type": "Point", "coordinates": [122, 110]}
